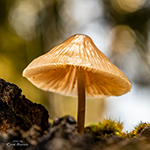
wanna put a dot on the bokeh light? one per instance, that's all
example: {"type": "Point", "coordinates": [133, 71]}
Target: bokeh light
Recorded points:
{"type": "Point", "coordinates": [24, 18]}
{"type": "Point", "coordinates": [127, 6]}
{"type": "Point", "coordinates": [123, 39]}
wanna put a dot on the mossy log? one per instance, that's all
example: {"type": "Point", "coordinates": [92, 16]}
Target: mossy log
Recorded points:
{"type": "Point", "coordinates": [24, 126]}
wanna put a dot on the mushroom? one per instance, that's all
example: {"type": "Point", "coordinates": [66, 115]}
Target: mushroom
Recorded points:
{"type": "Point", "coordinates": [77, 67]}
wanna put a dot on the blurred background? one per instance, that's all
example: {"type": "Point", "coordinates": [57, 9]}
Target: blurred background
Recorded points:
{"type": "Point", "coordinates": [120, 29]}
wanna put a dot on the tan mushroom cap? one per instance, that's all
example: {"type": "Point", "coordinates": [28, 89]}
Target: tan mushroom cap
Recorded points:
{"type": "Point", "coordinates": [56, 70]}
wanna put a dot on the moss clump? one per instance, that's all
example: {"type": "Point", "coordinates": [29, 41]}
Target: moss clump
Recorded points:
{"type": "Point", "coordinates": [110, 127]}
{"type": "Point", "coordinates": [137, 130]}
{"type": "Point", "coordinates": [107, 128]}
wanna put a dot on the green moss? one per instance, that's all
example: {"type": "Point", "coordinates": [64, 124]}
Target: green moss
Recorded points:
{"type": "Point", "coordinates": [107, 128]}
{"type": "Point", "coordinates": [137, 130]}
{"type": "Point", "coordinates": [110, 127]}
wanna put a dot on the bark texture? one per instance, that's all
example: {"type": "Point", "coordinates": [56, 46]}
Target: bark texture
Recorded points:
{"type": "Point", "coordinates": [17, 111]}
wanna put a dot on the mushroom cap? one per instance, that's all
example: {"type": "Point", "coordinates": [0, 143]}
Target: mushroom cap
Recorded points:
{"type": "Point", "coordinates": [56, 70]}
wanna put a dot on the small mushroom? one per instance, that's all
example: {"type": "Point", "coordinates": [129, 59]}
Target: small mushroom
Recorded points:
{"type": "Point", "coordinates": [77, 67]}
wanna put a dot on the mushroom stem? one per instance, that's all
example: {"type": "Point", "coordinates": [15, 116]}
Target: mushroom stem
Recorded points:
{"type": "Point", "coordinates": [81, 100]}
